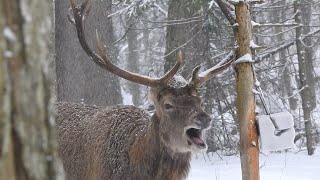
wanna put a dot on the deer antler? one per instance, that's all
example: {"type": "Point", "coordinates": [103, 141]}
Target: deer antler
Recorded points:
{"type": "Point", "coordinates": [80, 13]}
{"type": "Point", "coordinates": [198, 79]}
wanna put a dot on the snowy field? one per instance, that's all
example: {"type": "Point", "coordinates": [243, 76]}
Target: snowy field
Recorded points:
{"type": "Point", "coordinates": [276, 166]}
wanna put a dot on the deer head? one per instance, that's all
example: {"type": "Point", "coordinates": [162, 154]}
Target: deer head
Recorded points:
{"type": "Point", "coordinates": [180, 116]}
{"type": "Point", "coordinates": [178, 107]}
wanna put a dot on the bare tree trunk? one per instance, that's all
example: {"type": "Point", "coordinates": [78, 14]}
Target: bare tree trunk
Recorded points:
{"type": "Point", "coordinates": [306, 76]}
{"type": "Point", "coordinates": [246, 104]}
{"type": "Point", "coordinates": [285, 78]}
{"type": "Point", "coordinates": [176, 35]}
{"type": "Point", "coordinates": [186, 35]}
{"type": "Point", "coordinates": [27, 126]}
{"type": "Point", "coordinates": [78, 78]}
{"type": "Point", "coordinates": [133, 61]}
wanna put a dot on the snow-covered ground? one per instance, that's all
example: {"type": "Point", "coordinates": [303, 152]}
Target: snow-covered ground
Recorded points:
{"type": "Point", "coordinates": [275, 166]}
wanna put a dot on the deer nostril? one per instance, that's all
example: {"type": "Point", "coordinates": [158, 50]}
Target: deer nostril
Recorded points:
{"type": "Point", "coordinates": [204, 120]}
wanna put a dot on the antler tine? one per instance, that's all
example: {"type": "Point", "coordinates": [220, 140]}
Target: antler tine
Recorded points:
{"type": "Point", "coordinates": [86, 7]}
{"type": "Point", "coordinates": [165, 78]}
{"type": "Point", "coordinates": [198, 79]}
{"type": "Point", "coordinates": [83, 10]}
{"type": "Point", "coordinates": [79, 15]}
{"type": "Point", "coordinates": [73, 4]}
{"type": "Point", "coordinates": [78, 22]}
{"type": "Point", "coordinates": [145, 80]}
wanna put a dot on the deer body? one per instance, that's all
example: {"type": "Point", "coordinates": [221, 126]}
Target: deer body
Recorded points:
{"type": "Point", "coordinates": [124, 142]}
{"type": "Point", "coordinates": [118, 142]}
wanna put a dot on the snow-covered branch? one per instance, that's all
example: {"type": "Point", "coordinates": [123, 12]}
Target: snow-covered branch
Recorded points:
{"type": "Point", "coordinates": [247, 58]}
{"type": "Point", "coordinates": [164, 12]}
{"type": "Point", "coordinates": [294, 94]}
{"type": "Point", "coordinates": [257, 25]}
{"type": "Point", "coordinates": [219, 65]}
{"type": "Point", "coordinates": [268, 53]}
{"type": "Point", "coordinates": [226, 11]}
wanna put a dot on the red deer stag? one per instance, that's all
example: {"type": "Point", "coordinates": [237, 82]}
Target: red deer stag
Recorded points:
{"type": "Point", "coordinates": [124, 142]}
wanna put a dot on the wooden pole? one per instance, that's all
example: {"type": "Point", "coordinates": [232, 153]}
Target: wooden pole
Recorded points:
{"type": "Point", "coordinates": [249, 148]}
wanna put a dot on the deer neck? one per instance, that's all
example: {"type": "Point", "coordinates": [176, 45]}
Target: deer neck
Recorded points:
{"type": "Point", "coordinates": [156, 158]}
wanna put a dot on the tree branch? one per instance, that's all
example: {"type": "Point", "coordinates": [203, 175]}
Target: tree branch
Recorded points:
{"type": "Point", "coordinates": [226, 11]}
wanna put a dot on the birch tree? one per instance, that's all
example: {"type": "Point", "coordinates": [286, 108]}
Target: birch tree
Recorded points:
{"type": "Point", "coordinates": [28, 149]}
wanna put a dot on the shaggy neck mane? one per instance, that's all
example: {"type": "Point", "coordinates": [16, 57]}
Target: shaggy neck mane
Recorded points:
{"type": "Point", "coordinates": [157, 159]}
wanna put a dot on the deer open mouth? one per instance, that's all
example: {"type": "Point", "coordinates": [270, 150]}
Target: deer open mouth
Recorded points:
{"type": "Point", "coordinates": [195, 137]}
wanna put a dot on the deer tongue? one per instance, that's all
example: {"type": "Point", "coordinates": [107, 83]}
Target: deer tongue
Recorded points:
{"type": "Point", "coordinates": [199, 142]}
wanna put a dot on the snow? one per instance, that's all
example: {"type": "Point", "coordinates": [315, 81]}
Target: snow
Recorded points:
{"type": "Point", "coordinates": [317, 71]}
{"type": "Point", "coordinates": [126, 97]}
{"type": "Point", "coordinates": [255, 91]}
{"type": "Point", "coordinates": [211, 3]}
{"type": "Point", "coordinates": [238, 1]}
{"type": "Point", "coordinates": [254, 45]}
{"type": "Point", "coordinates": [257, 83]}
{"type": "Point", "coordinates": [235, 1]}
{"type": "Point", "coordinates": [8, 54]}
{"type": "Point", "coordinates": [177, 81]}
{"type": "Point", "coordinates": [275, 166]}
{"type": "Point", "coordinates": [254, 143]}
{"type": "Point", "coordinates": [253, 23]}
{"type": "Point", "coordinates": [161, 9]}
{"type": "Point", "coordinates": [25, 10]}
{"type": "Point", "coordinates": [244, 59]}
{"type": "Point", "coordinates": [9, 34]}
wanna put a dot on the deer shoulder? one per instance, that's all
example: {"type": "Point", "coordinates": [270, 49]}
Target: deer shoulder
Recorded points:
{"type": "Point", "coordinates": [98, 137]}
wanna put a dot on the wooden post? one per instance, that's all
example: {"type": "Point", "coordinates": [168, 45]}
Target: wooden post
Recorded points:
{"type": "Point", "coordinates": [246, 104]}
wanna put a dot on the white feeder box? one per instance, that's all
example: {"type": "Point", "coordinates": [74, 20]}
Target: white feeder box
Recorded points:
{"type": "Point", "coordinates": [276, 131]}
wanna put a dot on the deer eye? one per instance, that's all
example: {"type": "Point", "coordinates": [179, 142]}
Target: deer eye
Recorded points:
{"type": "Point", "coordinates": [167, 106]}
